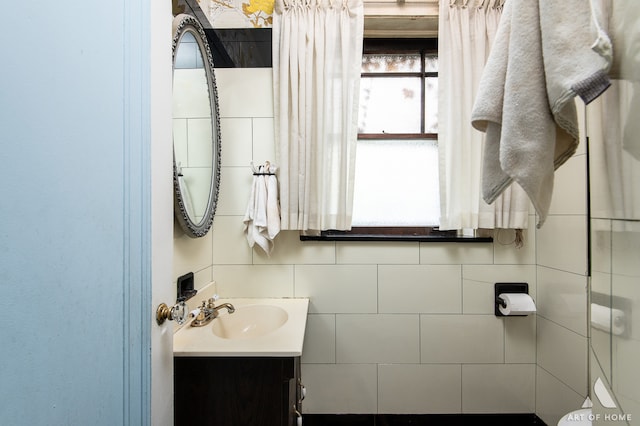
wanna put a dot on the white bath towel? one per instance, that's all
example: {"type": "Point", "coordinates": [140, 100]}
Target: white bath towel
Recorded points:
{"type": "Point", "coordinates": [262, 217]}
{"type": "Point", "coordinates": [541, 59]}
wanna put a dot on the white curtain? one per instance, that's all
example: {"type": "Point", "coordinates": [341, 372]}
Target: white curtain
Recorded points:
{"type": "Point", "coordinates": [317, 57]}
{"type": "Point", "coordinates": [466, 31]}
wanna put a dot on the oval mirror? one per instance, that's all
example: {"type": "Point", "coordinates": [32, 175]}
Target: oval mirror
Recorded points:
{"type": "Point", "coordinates": [196, 128]}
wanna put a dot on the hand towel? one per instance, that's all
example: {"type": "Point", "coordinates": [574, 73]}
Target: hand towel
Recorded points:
{"type": "Point", "coordinates": [262, 217]}
{"type": "Point", "coordinates": [541, 59]}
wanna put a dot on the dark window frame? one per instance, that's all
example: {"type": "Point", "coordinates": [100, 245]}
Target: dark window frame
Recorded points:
{"type": "Point", "coordinates": [424, 47]}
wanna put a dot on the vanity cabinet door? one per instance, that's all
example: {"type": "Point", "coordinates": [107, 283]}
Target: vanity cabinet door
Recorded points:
{"type": "Point", "coordinates": [234, 391]}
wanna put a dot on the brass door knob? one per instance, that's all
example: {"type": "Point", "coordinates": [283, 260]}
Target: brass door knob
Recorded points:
{"type": "Point", "coordinates": [177, 313]}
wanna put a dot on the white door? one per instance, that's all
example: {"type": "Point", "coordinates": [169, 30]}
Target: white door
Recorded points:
{"type": "Point", "coordinates": [164, 289]}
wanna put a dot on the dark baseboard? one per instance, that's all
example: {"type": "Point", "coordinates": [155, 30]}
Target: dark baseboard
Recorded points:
{"type": "Point", "coordinates": [526, 419]}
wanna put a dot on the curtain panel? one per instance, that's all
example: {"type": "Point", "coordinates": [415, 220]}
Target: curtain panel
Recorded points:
{"type": "Point", "coordinates": [317, 56]}
{"type": "Point", "coordinates": [466, 31]}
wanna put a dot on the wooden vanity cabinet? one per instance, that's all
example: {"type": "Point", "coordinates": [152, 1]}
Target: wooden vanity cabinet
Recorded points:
{"type": "Point", "coordinates": [237, 391]}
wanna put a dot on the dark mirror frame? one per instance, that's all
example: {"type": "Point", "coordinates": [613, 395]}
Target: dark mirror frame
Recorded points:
{"type": "Point", "coordinates": [181, 24]}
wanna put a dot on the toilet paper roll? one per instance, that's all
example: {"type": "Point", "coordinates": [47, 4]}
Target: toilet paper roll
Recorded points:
{"type": "Point", "coordinates": [607, 319]}
{"type": "Point", "coordinates": [517, 304]}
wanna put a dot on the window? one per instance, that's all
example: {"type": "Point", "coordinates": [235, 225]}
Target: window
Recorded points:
{"type": "Point", "coordinates": [396, 194]}
{"type": "Point", "coordinates": [396, 182]}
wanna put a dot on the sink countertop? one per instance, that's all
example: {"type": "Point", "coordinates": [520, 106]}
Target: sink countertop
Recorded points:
{"type": "Point", "coordinates": [284, 341]}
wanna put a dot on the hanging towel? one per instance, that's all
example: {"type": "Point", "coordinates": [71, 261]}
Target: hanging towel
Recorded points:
{"type": "Point", "coordinates": [262, 218]}
{"type": "Point", "coordinates": [543, 56]}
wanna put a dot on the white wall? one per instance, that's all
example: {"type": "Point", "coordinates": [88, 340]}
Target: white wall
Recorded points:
{"type": "Point", "coordinates": [161, 152]}
{"type": "Point", "coordinates": [393, 327]}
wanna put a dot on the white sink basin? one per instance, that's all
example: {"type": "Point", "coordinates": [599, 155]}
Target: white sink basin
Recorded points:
{"type": "Point", "coordinates": [259, 327]}
{"type": "Point", "coordinates": [249, 321]}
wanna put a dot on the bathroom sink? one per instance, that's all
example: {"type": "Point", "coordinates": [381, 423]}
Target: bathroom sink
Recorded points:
{"type": "Point", "coordinates": [249, 321]}
{"type": "Point", "coordinates": [259, 327]}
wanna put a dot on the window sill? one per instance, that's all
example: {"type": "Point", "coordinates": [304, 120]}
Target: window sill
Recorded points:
{"type": "Point", "coordinates": [394, 238]}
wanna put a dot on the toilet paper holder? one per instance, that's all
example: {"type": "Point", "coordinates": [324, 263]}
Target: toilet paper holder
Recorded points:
{"type": "Point", "coordinates": [507, 288]}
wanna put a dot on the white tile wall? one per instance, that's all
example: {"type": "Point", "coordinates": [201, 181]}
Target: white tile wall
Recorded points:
{"type": "Point", "coordinates": [563, 353]}
{"type": "Point", "coordinates": [393, 327]}
{"type": "Point", "coordinates": [432, 289]}
{"type": "Point", "coordinates": [501, 388]}
{"type": "Point", "coordinates": [377, 339]}
{"type": "Point", "coordinates": [478, 286]}
{"type": "Point", "coordinates": [554, 399]}
{"type": "Point", "coordinates": [561, 258]}
{"type": "Point", "coordinates": [570, 191]}
{"type": "Point", "coordinates": [461, 339]}
{"type": "Point", "coordinates": [338, 288]}
{"type": "Point", "coordinates": [320, 339]}
{"type": "Point", "coordinates": [245, 92]}
{"type": "Point", "coordinates": [456, 253]}
{"type": "Point", "coordinates": [239, 130]}
{"type": "Point", "coordinates": [504, 252]}
{"type": "Point", "coordinates": [263, 140]}
{"type": "Point", "coordinates": [256, 281]}
{"type": "Point", "coordinates": [378, 252]}
{"type": "Point", "coordinates": [235, 189]}
{"type": "Point", "coordinates": [562, 243]}
{"type": "Point", "coordinates": [562, 298]}
{"type": "Point", "coordinates": [419, 388]}
{"type": "Point", "coordinates": [289, 249]}
{"type": "Point", "coordinates": [192, 255]}
{"type": "Point", "coordinates": [230, 244]}
{"type": "Point", "coordinates": [520, 340]}
{"type": "Point", "coordinates": [340, 388]}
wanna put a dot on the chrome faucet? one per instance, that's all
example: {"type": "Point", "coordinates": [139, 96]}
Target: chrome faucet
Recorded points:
{"type": "Point", "coordinates": [208, 312]}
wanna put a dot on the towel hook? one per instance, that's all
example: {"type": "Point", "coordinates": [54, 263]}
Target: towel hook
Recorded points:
{"type": "Point", "coordinates": [264, 170]}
